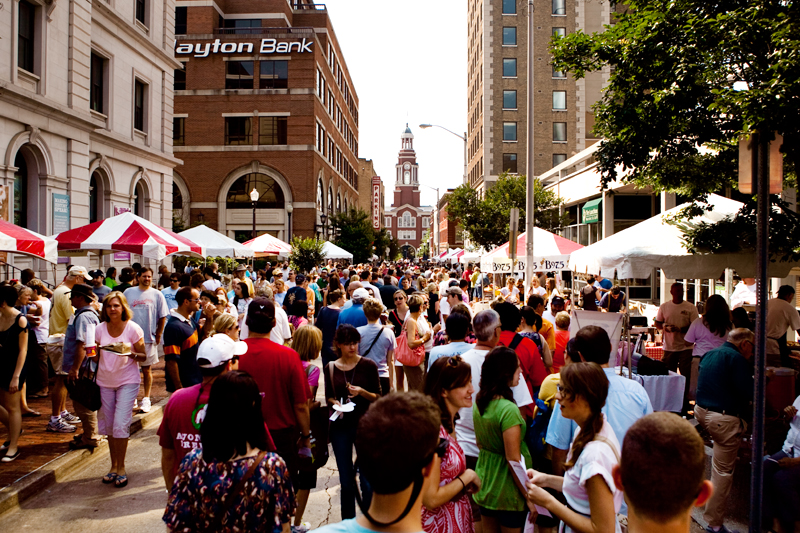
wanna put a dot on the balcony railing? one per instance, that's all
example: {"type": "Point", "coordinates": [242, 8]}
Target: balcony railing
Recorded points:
{"type": "Point", "coordinates": [302, 6]}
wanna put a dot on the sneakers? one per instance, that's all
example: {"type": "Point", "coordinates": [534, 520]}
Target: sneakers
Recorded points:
{"type": "Point", "coordinates": [303, 528]}
{"type": "Point", "coordinates": [145, 408]}
{"type": "Point", "coordinates": [59, 425]}
{"type": "Point", "coordinates": [722, 529]}
{"type": "Point", "coordinates": [135, 405]}
{"type": "Point", "coordinates": [69, 418]}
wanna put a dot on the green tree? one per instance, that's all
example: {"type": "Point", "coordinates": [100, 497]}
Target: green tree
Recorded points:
{"type": "Point", "coordinates": [671, 117]}
{"type": "Point", "coordinates": [306, 253]}
{"type": "Point", "coordinates": [354, 233]}
{"type": "Point", "coordinates": [424, 249]}
{"type": "Point", "coordinates": [485, 220]}
{"type": "Point", "coordinates": [384, 240]}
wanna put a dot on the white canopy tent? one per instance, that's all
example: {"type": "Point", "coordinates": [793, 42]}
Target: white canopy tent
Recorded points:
{"type": "Point", "coordinates": [217, 244]}
{"type": "Point", "coordinates": [331, 251]}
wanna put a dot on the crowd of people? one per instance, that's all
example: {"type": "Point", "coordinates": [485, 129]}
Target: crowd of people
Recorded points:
{"type": "Point", "coordinates": [506, 420]}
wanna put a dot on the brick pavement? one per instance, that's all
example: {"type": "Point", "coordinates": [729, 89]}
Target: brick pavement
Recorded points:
{"type": "Point", "coordinates": [39, 447]}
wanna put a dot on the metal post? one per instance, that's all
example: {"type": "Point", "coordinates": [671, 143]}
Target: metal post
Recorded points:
{"type": "Point", "coordinates": [465, 158]}
{"type": "Point", "coordinates": [628, 349]}
{"type": "Point", "coordinates": [530, 202]}
{"type": "Point", "coordinates": [254, 220]}
{"type": "Point", "coordinates": [760, 166]}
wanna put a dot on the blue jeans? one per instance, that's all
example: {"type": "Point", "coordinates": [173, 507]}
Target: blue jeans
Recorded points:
{"type": "Point", "coordinates": [343, 438]}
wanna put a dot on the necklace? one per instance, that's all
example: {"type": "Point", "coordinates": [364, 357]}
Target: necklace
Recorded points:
{"type": "Point", "coordinates": [348, 382]}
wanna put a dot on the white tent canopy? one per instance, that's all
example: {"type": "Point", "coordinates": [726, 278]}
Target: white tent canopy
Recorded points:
{"type": "Point", "coordinates": [216, 244]}
{"type": "Point", "coordinates": [331, 251]}
{"type": "Point", "coordinates": [655, 243]}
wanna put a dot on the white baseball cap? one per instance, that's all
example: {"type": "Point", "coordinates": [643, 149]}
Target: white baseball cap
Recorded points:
{"type": "Point", "coordinates": [80, 271]}
{"type": "Point", "coordinates": [360, 294]}
{"type": "Point", "coordinates": [218, 349]}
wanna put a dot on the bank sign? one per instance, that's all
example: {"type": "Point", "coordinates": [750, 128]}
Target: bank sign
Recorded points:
{"type": "Point", "coordinates": [376, 202]}
{"type": "Point", "coordinates": [268, 46]}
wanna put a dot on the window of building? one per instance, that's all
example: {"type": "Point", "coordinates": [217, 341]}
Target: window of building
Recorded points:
{"type": "Point", "coordinates": [426, 221]}
{"type": "Point", "coordinates": [93, 198]}
{"type": "Point", "coordinates": [509, 131]}
{"type": "Point", "coordinates": [559, 132]}
{"type": "Point", "coordinates": [338, 202]}
{"type": "Point", "coordinates": [274, 74]}
{"type": "Point", "coordinates": [97, 84]}
{"type": "Point", "coordinates": [406, 235]}
{"type": "Point", "coordinates": [179, 78]}
{"type": "Point", "coordinates": [139, 197]}
{"type": "Point", "coordinates": [238, 131]}
{"type": "Point", "coordinates": [141, 11]}
{"type": "Point", "coordinates": [559, 99]}
{"type": "Point", "coordinates": [270, 193]}
{"type": "Point", "coordinates": [320, 196]}
{"type": "Point", "coordinates": [558, 159]}
{"type": "Point", "coordinates": [509, 99]}
{"type": "Point", "coordinates": [179, 131]}
{"type": "Point", "coordinates": [272, 130]}
{"type": "Point", "coordinates": [509, 7]}
{"type": "Point", "coordinates": [330, 200]}
{"type": "Point", "coordinates": [139, 105]}
{"type": "Point", "coordinates": [21, 191]}
{"type": "Point", "coordinates": [239, 74]}
{"type": "Point", "coordinates": [509, 36]}
{"type": "Point", "coordinates": [559, 7]}
{"type": "Point", "coordinates": [26, 35]}
{"type": "Point", "coordinates": [387, 221]}
{"type": "Point", "coordinates": [242, 26]}
{"type": "Point", "coordinates": [510, 163]}
{"type": "Point", "coordinates": [177, 197]}
{"type": "Point", "coordinates": [560, 32]}
{"type": "Point", "coordinates": [559, 73]}
{"type": "Point", "coordinates": [509, 68]}
{"type": "Point", "coordinates": [180, 20]}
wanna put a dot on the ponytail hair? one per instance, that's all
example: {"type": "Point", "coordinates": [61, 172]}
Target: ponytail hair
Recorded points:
{"type": "Point", "coordinates": [589, 381]}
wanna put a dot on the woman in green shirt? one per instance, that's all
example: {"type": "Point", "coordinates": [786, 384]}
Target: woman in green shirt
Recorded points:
{"type": "Point", "coordinates": [500, 432]}
{"type": "Point", "coordinates": [110, 282]}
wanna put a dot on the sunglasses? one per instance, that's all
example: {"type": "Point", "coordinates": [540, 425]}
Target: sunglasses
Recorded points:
{"type": "Point", "coordinates": [399, 298]}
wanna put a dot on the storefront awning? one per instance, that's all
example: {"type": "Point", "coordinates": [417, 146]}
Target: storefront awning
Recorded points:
{"type": "Point", "coordinates": [591, 211]}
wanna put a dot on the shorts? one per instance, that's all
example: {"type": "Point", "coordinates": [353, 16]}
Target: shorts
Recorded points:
{"type": "Point", "coordinates": [152, 355]}
{"type": "Point", "coordinates": [305, 480]}
{"type": "Point", "coordinates": [55, 353]}
{"type": "Point", "coordinates": [116, 410]}
{"type": "Point", "coordinates": [507, 519]}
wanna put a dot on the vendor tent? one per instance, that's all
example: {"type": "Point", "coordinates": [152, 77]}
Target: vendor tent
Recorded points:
{"type": "Point", "coordinates": [126, 232]}
{"type": "Point", "coordinates": [656, 243]}
{"type": "Point", "coordinates": [550, 252]}
{"type": "Point", "coordinates": [266, 244]}
{"type": "Point", "coordinates": [217, 244]}
{"type": "Point", "coordinates": [471, 257]}
{"type": "Point", "coordinates": [331, 251]}
{"type": "Point", "coordinates": [17, 240]}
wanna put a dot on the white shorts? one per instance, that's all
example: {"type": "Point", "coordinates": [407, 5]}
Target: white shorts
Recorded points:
{"type": "Point", "coordinates": [116, 410]}
{"type": "Point", "coordinates": [152, 355]}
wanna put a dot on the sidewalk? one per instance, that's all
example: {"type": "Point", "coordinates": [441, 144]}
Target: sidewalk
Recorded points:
{"type": "Point", "coordinates": [45, 455]}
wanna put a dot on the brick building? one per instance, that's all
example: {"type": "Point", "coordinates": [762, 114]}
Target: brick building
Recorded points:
{"type": "Point", "coordinates": [370, 192]}
{"type": "Point", "coordinates": [407, 221]}
{"type": "Point", "coordinates": [497, 37]}
{"type": "Point", "coordinates": [450, 233]}
{"type": "Point", "coordinates": [264, 101]}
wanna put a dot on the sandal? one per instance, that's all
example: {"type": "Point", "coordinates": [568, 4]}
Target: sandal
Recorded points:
{"type": "Point", "coordinates": [31, 414]}
{"type": "Point", "coordinates": [121, 481]}
{"type": "Point", "coordinates": [110, 478]}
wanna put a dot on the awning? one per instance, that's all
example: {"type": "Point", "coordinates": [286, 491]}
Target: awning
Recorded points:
{"type": "Point", "coordinates": [591, 211]}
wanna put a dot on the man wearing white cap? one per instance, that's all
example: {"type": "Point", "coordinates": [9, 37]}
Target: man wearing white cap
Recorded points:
{"type": "Point", "coordinates": [179, 432]}
{"type": "Point", "coordinates": [354, 315]}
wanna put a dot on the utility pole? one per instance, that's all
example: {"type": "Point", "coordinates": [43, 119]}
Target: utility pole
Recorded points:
{"type": "Point", "coordinates": [530, 203]}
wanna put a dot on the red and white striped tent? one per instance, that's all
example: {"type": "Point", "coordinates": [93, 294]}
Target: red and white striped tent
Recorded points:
{"type": "Point", "coordinates": [266, 244]}
{"type": "Point", "coordinates": [550, 252]}
{"type": "Point", "coordinates": [17, 240]}
{"type": "Point", "coordinates": [126, 233]}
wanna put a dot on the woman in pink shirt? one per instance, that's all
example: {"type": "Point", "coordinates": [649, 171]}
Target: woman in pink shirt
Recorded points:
{"type": "Point", "coordinates": [118, 378]}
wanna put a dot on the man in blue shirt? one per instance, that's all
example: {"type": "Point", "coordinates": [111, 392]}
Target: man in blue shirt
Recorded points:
{"type": "Point", "coordinates": [724, 393]}
{"type": "Point", "coordinates": [457, 329]}
{"type": "Point", "coordinates": [354, 315]}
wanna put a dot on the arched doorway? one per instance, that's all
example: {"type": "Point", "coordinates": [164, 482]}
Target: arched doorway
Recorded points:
{"type": "Point", "coordinates": [21, 191]}
{"type": "Point", "coordinates": [270, 197]}
{"type": "Point", "coordinates": [140, 199]}
{"type": "Point", "coordinates": [408, 251]}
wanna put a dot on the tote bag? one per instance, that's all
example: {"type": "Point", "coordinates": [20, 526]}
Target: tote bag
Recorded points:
{"type": "Point", "coordinates": [407, 355]}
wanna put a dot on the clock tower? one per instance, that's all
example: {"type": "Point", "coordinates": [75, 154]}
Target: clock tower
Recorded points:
{"type": "Point", "coordinates": [406, 186]}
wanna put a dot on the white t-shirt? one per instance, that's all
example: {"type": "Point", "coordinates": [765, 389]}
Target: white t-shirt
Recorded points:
{"type": "Point", "coordinates": [598, 458]}
{"type": "Point", "coordinates": [539, 290]}
{"type": "Point", "coordinates": [42, 331]}
{"type": "Point", "coordinates": [514, 294]}
{"type": "Point", "coordinates": [791, 446]}
{"type": "Point", "coordinates": [290, 284]}
{"type": "Point", "coordinates": [465, 426]}
{"type": "Point", "coordinates": [743, 294]}
{"type": "Point", "coordinates": [781, 315]}
{"type": "Point", "coordinates": [680, 315]}
{"type": "Point", "coordinates": [423, 327]}
{"type": "Point", "coordinates": [211, 285]}
{"type": "Point", "coordinates": [149, 306]}
{"type": "Point", "coordinates": [279, 334]}
{"type": "Point", "coordinates": [704, 341]}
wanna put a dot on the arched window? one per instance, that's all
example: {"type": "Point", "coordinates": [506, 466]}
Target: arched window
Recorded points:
{"type": "Point", "coordinates": [95, 207]}
{"type": "Point", "coordinates": [320, 196]}
{"type": "Point", "coordinates": [338, 202]}
{"type": "Point", "coordinates": [177, 197]}
{"type": "Point", "coordinates": [330, 200]}
{"type": "Point", "coordinates": [139, 197]}
{"type": "Point", "coordinates": [270, 193]}
{"type": "Point", "coordinates": [21, 191]}
{"type": "Point", "coordinates": [345, 204]}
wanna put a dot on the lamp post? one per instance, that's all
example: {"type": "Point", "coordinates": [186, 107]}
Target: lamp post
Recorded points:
{"type": "Point", "coordinates": [462, 137]}
{"type": "Point", "coordinates": [289, 209]}
{"type": "Point", "coordinates": [323, 226]}
{"type": "Point", "coordinates": [254, 198]}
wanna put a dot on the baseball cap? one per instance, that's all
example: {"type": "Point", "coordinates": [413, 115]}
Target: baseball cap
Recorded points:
{"type": "Point", "coordinates": [558, 300]}
{"type": "Point", "coordinates": [277, 272]}
{"type": "Point", "coordinates": [218, 349]}
{"type": "Point", "coordinates": [79, 271]}
{"type": "Point", "coordinates": [261, 314]}
{"type": "Point", "coordinates": [360, 294]}
{"type": "Point", "coordinates": [453, 291]}
{"type": "Point", "coordinates": [97, 273]}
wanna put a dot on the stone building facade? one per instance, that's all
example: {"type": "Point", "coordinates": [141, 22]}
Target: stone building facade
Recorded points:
{"type": "Point", "coordinates": [264, 101]}
{"type": "Point", "coordinates": [85, 114]}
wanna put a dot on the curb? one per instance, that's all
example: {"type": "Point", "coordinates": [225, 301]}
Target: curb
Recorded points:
{"type": "Point", "coordinates": [48, 474]}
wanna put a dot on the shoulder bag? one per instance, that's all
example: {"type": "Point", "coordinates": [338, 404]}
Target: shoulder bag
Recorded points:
{"type": "Point", "coordinates": [407, 355]}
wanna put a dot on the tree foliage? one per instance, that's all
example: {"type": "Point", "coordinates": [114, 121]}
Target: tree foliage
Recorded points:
{"type": "Point", "coordinates": [485, 220]}
{"type": "Point", "coordinates": [306, 253]}
{"type": "Point", "coordinates": [354, 233]}
{"type": "Point", "coordinates": [384, 240]}
{"type": "Point", "coordinates": [670, 116]}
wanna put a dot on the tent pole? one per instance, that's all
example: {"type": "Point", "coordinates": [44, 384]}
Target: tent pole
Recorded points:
{"type": "Point", "coordinates": [628, 328]}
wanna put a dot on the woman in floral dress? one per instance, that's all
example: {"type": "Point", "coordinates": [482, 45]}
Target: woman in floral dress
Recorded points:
{"type": "Point", "coordinates": [446, 507]}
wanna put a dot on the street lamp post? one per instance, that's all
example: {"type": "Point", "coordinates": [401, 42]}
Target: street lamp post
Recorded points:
{"type": "Point", "coordinates": [462, 137]}
{"type": "Point", "coordinates": [254, 198]}
{"type": "Point", "coordinates": [289, 209]}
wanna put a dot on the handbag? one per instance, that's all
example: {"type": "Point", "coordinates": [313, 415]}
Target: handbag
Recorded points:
{"type": "Point", "coordinates": [407, 355]}
{"type": "Point", "coordinates": [85, 389]}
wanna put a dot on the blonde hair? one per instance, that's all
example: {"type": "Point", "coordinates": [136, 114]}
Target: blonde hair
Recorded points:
{"type": "Point", "coordinates": [562, 320]}
{"type": "Point", "coordinates": [127, 314]}
{"type": "Point", "coordinates": [224, 322]}
{"type": "Point", "coordinates": [279, 285]}
{"type": "Point", "coordinates": [373, 308]}
{"type": "Point", "coordinates": [307, 342]}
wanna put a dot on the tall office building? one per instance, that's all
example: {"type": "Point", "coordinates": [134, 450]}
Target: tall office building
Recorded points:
{"type": "Point", "coordinates": [497, 91]}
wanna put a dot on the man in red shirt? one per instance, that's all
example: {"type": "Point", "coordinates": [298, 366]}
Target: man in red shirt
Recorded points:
{"type": "Point", "coordinates": [530, 360]}
{"type": "Point", "coordinates": [280, 377]}
{"type": "Point", "coordinates": [179, 432]}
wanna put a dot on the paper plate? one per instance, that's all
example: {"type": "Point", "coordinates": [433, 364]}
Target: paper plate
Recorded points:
{"type": "Point", "coordinates": [346, 408]}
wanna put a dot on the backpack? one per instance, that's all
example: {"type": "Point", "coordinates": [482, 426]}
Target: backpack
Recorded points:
{"type": "Point", "coordinates": [537, 430]}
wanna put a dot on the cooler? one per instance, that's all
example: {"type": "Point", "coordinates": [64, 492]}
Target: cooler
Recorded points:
{"type": "Point", "coordinates": [780, 389]}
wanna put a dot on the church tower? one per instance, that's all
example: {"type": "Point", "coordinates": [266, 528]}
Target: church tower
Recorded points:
{"type": "Point", "coordinates": [406, 186]}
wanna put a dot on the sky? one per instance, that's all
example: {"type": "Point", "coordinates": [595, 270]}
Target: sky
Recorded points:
{"type": "Point", "coordinates": [408, 62]}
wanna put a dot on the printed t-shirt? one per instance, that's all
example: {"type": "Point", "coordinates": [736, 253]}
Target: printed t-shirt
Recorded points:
{"type": "Point", "coordinates": [382, 346]}
{"type": "Point", "coordinates": [149, 306]}
{"type": "Point", "coordinates": [117, 370]}
{"type": "Point", "coordinates": [280, 377]}
{"type": "Point", "coordinates": [181, 341]}
{"type": "Point", "coordinates": [704, 340]}
{"type": "Point", "coordinates": [180, 428]}
{"type": "Point", "coordinates": [169, 296]}
{"type": "Point", "coordinates": [680, 315]}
